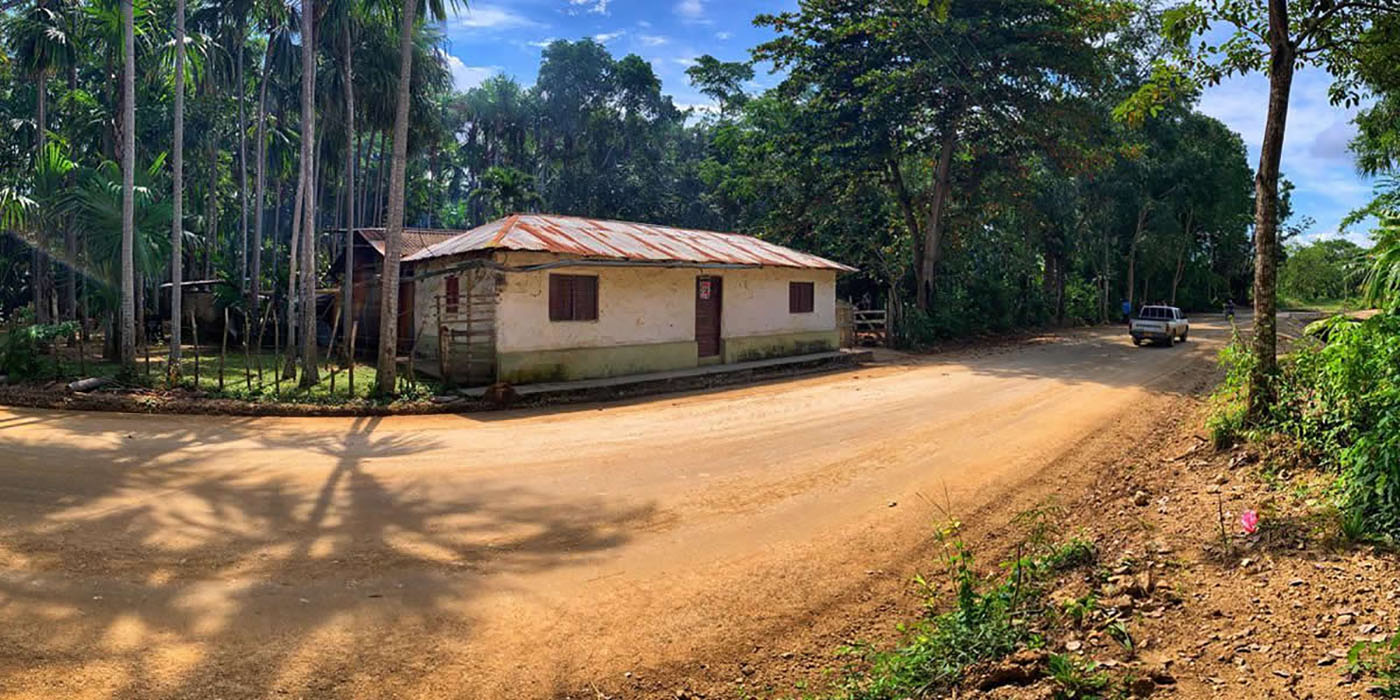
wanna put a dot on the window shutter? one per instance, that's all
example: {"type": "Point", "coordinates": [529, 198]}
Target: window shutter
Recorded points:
{"type": "Point", "coordinates": [560, 300]}
{"type": "Point", "coordinates": [585, 298]}
{"type": "Point", "coordinates": [801, 297]}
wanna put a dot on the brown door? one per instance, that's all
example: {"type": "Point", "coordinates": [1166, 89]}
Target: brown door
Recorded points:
{"type": "Point", "coordinates": [709, 293]}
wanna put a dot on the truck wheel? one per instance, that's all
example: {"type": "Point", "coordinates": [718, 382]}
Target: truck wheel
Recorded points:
{"type": "Point", "coordinates": [1183, 335]}
{"type": "Point", "coordinates": [1171, 341]}
{"type": "Point", "coordinates": [1137, 342]}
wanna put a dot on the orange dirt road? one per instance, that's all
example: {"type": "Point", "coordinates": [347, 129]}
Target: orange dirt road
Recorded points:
{"type": "Point", "coordinates": [515, 554]}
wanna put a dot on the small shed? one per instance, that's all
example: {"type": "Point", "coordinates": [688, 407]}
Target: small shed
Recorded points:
{"type": "Point", "coordinates": [367, 255]}
{"type": "Point", "coordinates": [533, 298]}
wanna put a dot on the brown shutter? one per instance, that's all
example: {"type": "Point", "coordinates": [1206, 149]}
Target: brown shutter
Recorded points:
{"type": "Point", "coordinates": [560, 301]}
{"type": "Point", "coordinates": [585, 298]}
{"type": "Point", "coordinates": [801, 297]}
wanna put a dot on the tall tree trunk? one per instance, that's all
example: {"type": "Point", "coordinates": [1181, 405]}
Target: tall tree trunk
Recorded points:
{"type": "Point", "coordinates": [293, 264]}
{"type": "Point", "coordinates": [260, 187]}
{"type": "Point", "coordinates": [933, 225]}
{"type": "Point", "coordinates": [39, 266]}
{"type": "Point", "coordinates": [243, 176]}
{"type": "Point", "coordinates": [1132, 249]}
{"type": "Point", "coordinates": [347, 281]}
{"type": "Point", "coordinates": [128, 262]}
{"type": "Point", "coordinates": [382, 166]}
{"type": "Point", "coordinates": [177, 200]}
{"type": "Point", "coordinates": [393, 228]}
{"type": "Point", "coordinates": [1281, 66]}
{"type": "Point", "coordinates": [1186, 239]}
{"type": "Point", "coordinates": [307, 272]}
{"type": "Point", "coordinates": [70, 233]}
{"type": "Point", "coordinates": [211, 203]}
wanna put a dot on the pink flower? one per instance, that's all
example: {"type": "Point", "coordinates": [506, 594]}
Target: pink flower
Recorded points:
{"type": "Point", "coordinates": [1249, 520]}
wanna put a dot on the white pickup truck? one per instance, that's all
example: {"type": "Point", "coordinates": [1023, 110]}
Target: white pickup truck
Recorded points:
{"type": "Point", "coordinates": [1164, 324]}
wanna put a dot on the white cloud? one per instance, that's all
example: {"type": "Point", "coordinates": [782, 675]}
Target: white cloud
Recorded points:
{"type": "Point", "coordinates": [652, 40]}
{"type": "Point", "coordinates": [482, 16]}
{"type": "Point", "coordinates": [724, 36]}
{"type": "Point", "coordinates": [643, 24]}
{"type": "Point", "coordinates": [691, 10]}
{"type": "Point", "coordinates": [684, 61]}
{"type": "Point", "coordinates": [605, 37]}
{"type": "Point", "coordinates": [542, 43]}
{"type": "Point", "coordinates": [465, 77]}
{"type": "Point", "coordinates": [597, 7]}
{"type": "Point", "coordinates": [1315, 155]}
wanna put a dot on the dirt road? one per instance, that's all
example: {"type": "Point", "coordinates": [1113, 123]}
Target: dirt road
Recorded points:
{"type": "Point", "coordinates": [527, 554]}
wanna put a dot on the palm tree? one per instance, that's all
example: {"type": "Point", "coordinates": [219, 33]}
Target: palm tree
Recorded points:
{"type": "Point", "coordinates": [1382, 275]}
{"type": "Point", "coordinates": [307, 272]}
{"type": "Point", "coordinates": [393, 227]}
{"type": "Point", "coordinates": [128, 147]}
{"type": "Point", "coordinates": [177, 227]}
{"type": "Point", "coordinates": [40, 43]}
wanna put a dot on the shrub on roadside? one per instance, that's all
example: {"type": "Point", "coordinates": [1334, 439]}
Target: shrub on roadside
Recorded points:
{"type": "Point", "coordinates": [24, 344]}
{"type": "Point", "coordinates": [989, 619]}
{"type": "Point", "coordinates": [1339, 403]}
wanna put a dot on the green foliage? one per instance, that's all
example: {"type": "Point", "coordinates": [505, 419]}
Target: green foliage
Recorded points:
{"type": "Point", "coordinates": [22, 347]}
{"type": "Point", "coordinates": [1227, 420]}
{"type": "Point", "coordinates": [1340, 403]}
{"type": "Point", "coordinates": [1077, 678]}
{"type": "Point", "coordinates": [988, 619]}
{"type": "Point", "coordinates": [1320, 271]}
{"type": "Point", "coordinates": [1378, 660]}
{"type": "Point", "coordinates": [1382, 283]}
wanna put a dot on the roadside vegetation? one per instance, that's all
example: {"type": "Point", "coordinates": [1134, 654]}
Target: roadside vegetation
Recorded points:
{"type": "Point", "coordinates": [979, 181]}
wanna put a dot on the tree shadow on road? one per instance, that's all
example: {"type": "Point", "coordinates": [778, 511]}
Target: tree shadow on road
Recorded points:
{"type": "Point", "coordinates": [132, 567]}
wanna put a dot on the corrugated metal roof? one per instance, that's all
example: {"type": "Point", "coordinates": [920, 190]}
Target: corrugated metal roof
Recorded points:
{"type": "Point", "coordinates": [414, 239]}
{"type": "Point", "coordinates": [595, 238]}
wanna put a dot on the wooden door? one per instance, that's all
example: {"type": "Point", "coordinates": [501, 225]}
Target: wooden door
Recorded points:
{"type": "Point", "coordinates": [709, 296]}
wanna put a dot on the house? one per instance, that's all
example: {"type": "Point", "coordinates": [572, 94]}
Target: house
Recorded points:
{"type": "Point", "coordinates": [367, 255]}
{"type": "Point", "coordinates": [533, 298]}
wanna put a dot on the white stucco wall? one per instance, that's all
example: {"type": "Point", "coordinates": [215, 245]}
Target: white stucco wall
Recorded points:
{"type": "Point", "coordinates": [756, 302]}
{"type": "Point", "coordinates": [636, 306]}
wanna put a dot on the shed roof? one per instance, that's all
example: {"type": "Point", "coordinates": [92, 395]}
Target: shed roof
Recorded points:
{"type": "Point", "coordinates": [414, 239]}
{"type": "Point", "coordinates": [597, 238]}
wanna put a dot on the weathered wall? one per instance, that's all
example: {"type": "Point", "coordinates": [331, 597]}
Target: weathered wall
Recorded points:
{"type": "Point", "coordinates": [756, 302]}
{"type": "Point", "coordinates": [636, 306]}
{"type": "Point", "coordinates": [646, 319]}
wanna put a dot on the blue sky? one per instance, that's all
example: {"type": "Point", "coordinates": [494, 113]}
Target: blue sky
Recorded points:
{"type": "Point", "coordinates": [505, 36]}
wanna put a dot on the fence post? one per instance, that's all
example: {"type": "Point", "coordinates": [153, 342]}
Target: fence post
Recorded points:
{"type": "Point", "coordinates": [223, 351]}
{"type": "Point", "coordinates": [194, 334]}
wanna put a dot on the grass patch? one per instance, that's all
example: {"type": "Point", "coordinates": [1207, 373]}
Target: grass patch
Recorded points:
{"type": "Point", "coordinates": [987, 620]}
{"type": "Point", "coordinates": [256, 377]}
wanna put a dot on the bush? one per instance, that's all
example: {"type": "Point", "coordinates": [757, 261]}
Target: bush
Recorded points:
{"type": "Point", "coordinates": [24, 344]}
{"type": "Point", "coordinates": [1339, 403]}
{"type": "Point", "coordinates": [988, 620]}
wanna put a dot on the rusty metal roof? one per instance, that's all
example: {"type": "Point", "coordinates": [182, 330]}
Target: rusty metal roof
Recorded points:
{"type": "Point", "coordinates": [414, 239]}
{"type": "Point", "coordinates": [597, 238]}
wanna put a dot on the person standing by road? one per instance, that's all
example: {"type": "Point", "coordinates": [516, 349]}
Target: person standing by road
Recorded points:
{"type": "Point", "coordinates": [1127, 311]}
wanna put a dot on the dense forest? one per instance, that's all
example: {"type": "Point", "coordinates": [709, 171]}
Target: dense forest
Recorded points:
{"type": "Point", "coordinates": [986, 165]}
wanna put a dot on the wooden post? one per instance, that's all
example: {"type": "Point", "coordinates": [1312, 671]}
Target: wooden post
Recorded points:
{"type": "Point", "coordinates": [194, 335]}
{"type": "Point", "coordinates": [350, 376]}
{"type": "Point", "coordinates": [82, 358]}
{"type": "Point", "coordinates": [276, 354]}
{"type": "Point", "coordinates": [247, 347]}
{"type": "Point", "coordinates": [223, 351]}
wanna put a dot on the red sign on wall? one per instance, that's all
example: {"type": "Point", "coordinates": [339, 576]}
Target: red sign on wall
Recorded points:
{"type": "Point", "coordinates": [705, 286]}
